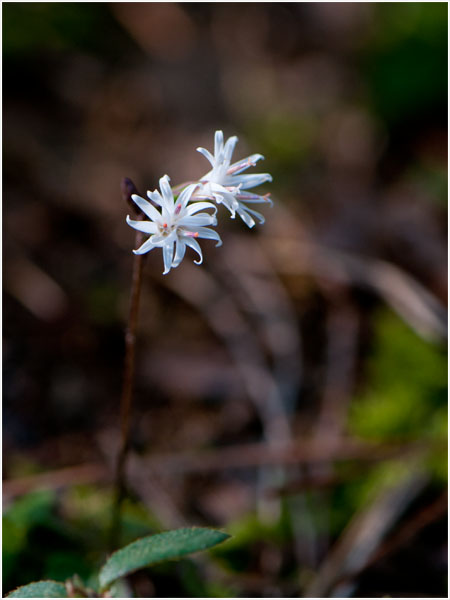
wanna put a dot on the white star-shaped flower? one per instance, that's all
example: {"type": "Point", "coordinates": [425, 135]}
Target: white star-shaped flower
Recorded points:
{"type": "Point", "coordinates": [176, 225]}
{"type": "Point", "coordinates": [226, 184]}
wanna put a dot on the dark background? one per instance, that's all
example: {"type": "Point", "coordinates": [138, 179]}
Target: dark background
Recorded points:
{"type": "Point", "coordinates": [324, 328]}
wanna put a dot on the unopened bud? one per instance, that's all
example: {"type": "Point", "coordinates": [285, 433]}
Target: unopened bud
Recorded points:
{"type": "Point", "coordinates": [128, 189]}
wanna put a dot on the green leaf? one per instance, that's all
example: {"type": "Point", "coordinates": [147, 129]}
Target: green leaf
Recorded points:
{"type": "Point", "coordinates": [40, 589]}
{"type": "Point", "coordinates": [156, 548]}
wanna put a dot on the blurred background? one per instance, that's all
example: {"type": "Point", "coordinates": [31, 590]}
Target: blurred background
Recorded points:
{"type": "Point", "coordinates": [292, 390]}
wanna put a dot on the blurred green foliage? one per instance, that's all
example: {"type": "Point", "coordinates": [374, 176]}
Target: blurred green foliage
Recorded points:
{"type": "Point", "coordinates": [52, 536]}
{"type": "Point", "coordinates": [406, 59]}
{"type": "Point", "coordinates": [60, 26]}
{"type": "Point", "coordinates": [406, 392]}
{"type": "Point", "coordinates": [405, 397]}
{"type": "Point", "coordinates": [47, 535]}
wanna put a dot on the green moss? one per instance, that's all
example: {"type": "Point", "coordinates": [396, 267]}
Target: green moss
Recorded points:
{"type": "Point", "coordinates": [406, 390]}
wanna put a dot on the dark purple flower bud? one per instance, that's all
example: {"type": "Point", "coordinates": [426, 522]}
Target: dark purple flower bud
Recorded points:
{"type": "Point", "coordinates": [128, 188]}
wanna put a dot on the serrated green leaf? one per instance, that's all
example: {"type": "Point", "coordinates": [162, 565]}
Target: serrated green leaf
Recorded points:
{"type": "Point", "coordinates": [156, 548]}
{"type": "Point", "coordinates": [40, 589]}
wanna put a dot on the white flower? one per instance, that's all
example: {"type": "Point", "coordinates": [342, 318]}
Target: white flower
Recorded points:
{"type": "Point", "coordinates": [177, 225]}
{"type": "Point", "coordinates": [226, 184]}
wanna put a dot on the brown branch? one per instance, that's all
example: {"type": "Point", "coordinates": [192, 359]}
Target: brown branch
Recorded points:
{"type": "Point", "coordinates": [434, 511]}
{"type": "Point", "coordinates": [243, 456]}
{"type": "Point", "coordinates": [87, 473]}
{"type": "Point", "coordinates": [128, 188]}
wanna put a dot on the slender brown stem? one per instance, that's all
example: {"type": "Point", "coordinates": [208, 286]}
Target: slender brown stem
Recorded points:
{"type": "Point", "coordinates": [127, 390]}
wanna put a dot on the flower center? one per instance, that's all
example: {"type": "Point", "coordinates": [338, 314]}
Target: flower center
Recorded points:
{"type": "Point", "coordinates": [165, 229]}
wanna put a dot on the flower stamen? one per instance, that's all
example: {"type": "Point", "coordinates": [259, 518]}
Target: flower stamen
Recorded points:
{"type": "Point", "coordinates": [244, 164]}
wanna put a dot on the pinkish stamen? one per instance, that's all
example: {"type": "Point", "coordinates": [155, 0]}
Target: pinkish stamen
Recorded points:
{"type": "Point", "coordinates": [244, 164]}
{"type": "Point", "coordinates": [248, 196]}
{"type": "Point", "coordinates": [177, 209]}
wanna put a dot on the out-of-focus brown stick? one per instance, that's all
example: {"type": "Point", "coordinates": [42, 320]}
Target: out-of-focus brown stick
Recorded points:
{"type": "Point", "coordinates": [405, 295]}
{"type": "Point", "coordinates": [243, 456]}
{"type": "Point", "coordinates": [364, 534]}
{"type": "Point", "coordinates": [297, 452]}
{"type": "Point", "coordinates": [434, 511]}
{"type": "Point", "coordinates": [60, 478]}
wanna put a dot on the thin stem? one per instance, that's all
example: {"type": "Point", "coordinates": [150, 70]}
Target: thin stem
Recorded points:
{"type": "Point", "coordinates": [176, 189]}
{"type": "Point", "coordinates": [127, 389]}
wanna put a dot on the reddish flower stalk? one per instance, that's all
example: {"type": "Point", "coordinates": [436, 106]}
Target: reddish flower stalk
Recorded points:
{"type": "Point", "coordinates": [128, 188]}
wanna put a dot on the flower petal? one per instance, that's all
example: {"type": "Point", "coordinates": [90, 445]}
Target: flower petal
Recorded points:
{"type": "Point", "coordinates": [248, 181]}
{"type": "Point", "coordinates": [166, 191]}
{"type": "Point", "coordinates": [256, 214]}
{"type": "Point", "coordinates": [245, 163]}
{"type": "Point", "coordinates": [146, 208]}
{"type": "Point", "coordinates": [146, 247]}
{"type": "Point", "coordinates": [229, 148]}
{"type": "Point", "coordinates": [168, 257]}
{"type": "Point", "coordinates": [254, 198]}
{"type": "Point", "coordinates": [210, 234]}
{"type": "Point", "coordinates": [144, 226]}
{"type": "Point", "coordinates": [186, 194]}
{"type": "Point", "coordinates": [246, 217]}
{"type": "Point", "coordinates": [196, 206]}
{"type": "Point", "coordinates": [155, 197]}
{"type": "Point", "coordinates": [179, 252]}
{"type": "Point", "coordinates": [189, 241]}
{"type": "Point", "coordinates": [218, 143]}
{"type": "Point", "coordinates": [227, 200]}
{"type": "Point", "coordinates": [160, 240]}
{"type": "Point", "coordinates": [207, 154]}
{"type": "Point", "coordinates": [245, 214]}
{"type": "Point", "coordinates": [197, 221]}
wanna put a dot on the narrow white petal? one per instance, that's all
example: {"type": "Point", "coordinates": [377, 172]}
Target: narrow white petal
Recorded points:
{"type": "Point", "coordinates": [166, 191]}
{"type": "Point", "coordinates": [218, 143]}
{"type": "Point", "coordinates": [253, 158]}
{"type": "Point", "coordinates": [245, 214]}
{"type": "Point", "coordinates": [179, 252]}
{"type": "Point", "coordinates": [167, 214]}
{"type": "Point", "coordinates": [207, 154]}
{"type": "Point", "coordinates": [256, 214]}
{"type": "Point", "coordinates": [245, 163]}
{"type": "Point", "coordinates": [168, 257]}
{"type": "Point", "coordinates": [248, 181]}
{"type": "Point", "coordinates": [196, 206]}
{"type": "Point", "coordinates": [146, 247]}
{"type": "Point", "coordinates": [192, 243]}
{"type": "Point", "coordinates": [155, 196]}
{"type": "Point", "coordinates": [146, 207]}
{"type": "Point", "coordinates": [228, 200]}
{"type": "Point", "coordinates": [254, 199]}
{"type": "Point", "coordinates": [186, 194]}
{"type": "Point", "coordinates": [197, 221]}
{"type": "Point", "coordinates": [246, 217]}
{"type": "Point", "coordinates": [210, 234]}
{"type": "Point", "coordinates": [161, 240]}
{"type": "Point", "coordinates": [229, 148]}
{"type": "Point", "coordinates": [144, 226]}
